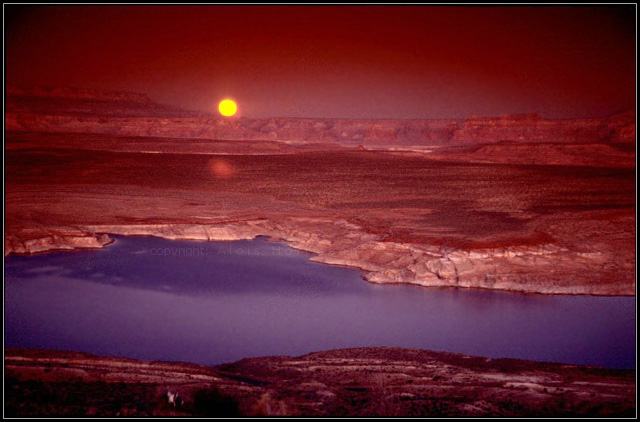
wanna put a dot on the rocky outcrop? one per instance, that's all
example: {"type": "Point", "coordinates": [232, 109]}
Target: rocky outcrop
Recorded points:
{"type": "Point", "coordinates": [533, 128]}
{"type": "Point", "coordinates": [82, 104]}
{"type": "Point", "coordinates": [13, 93]}
{"type": "Point", "coordinates": [518, 139]}
{"type": "Point", "coordinates": [64, 238]}
{"type": "Point", "coordinates": [545, 268]}
{"type": "Point", "coordinates": [543, 153]}
{"type": "Point", "coordinates": [347, 132]}
{"type": "Point", "coordinates": [57, 110]}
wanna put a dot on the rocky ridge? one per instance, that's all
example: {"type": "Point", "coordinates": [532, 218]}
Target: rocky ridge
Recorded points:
{"type": "Point", "coordinates": [41, 110]}
{"type": "Point", "coordinates": [351, 382]}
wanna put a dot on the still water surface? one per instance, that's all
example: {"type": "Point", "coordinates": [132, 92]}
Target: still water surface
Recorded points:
{"type": "Point", "coordinates": [216, 302]}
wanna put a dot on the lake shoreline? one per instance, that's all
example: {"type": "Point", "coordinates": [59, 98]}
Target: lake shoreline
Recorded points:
{"type": "Point", "coordinates": [98, 236]}
{"type": "Point", "coordinates": [260, 297]}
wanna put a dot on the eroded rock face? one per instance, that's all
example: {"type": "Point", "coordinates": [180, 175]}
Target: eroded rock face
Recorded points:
{"type": "Point", "coordinates": [347, 132]}
{"type": "Point", "coordinates": [56, 239]}
{"type": "Point", "coordinates": [377, 132]}
{"type": "Point", "coordinates": [545, 268]}
{"type": "Point", "coordinates": [129, 114]}
{"type": "Point", "coordinates": [533, 128]}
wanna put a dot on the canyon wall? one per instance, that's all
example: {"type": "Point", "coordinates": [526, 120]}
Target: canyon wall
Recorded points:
{"type": "Point", "coordinates": [128, 114]}
{"type": "Point", "coordinates": [533, 128]}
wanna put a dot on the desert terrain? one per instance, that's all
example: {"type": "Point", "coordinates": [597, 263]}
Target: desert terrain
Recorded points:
{"type": "Point", "coordinates": [320, 211]}
{"type": "Point", "coordinates": [517, 203]}
{"type": "Point", "coordinates": [350, 382]}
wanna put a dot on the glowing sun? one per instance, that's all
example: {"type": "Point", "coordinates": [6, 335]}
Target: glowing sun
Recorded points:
{"type": "Point", "coordinates": [227, 107]}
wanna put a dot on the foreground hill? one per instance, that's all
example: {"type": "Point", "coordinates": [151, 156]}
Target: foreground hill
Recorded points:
{"type": "Point", "coordinates": [350, 382]}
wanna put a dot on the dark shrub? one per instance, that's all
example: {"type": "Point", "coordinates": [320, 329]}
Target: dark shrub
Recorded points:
{"type": "Point", "coordinates": [212, 402]}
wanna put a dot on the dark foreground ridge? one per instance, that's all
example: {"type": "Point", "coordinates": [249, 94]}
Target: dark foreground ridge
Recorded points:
{"type": "Point", "coordinates": [349, 382]}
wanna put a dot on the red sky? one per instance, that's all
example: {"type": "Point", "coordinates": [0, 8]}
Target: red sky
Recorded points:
{"type": "Point", "coordinates": [336, 61]}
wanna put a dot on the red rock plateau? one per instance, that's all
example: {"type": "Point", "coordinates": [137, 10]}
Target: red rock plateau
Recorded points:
{"type": "Point", "coordinates": [352, 382]}
{"type": "Point", "coordinates": [516, 203]}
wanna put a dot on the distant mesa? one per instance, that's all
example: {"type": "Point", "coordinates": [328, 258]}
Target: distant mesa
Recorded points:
{"type": "Point", "coordinates": [92, 105]}
{"type": "Point", "coordinates": [520, 117]}
{"type": "Point", "coordinates": [70, 92]}
{"type": "Point", "coordinates": [518, 138]}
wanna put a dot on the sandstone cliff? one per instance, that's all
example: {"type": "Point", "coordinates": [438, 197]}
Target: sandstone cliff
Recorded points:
{"type": "Point", "coordinates": [533, 128]}
{"type": "Point", "coordinates": [125, 114]}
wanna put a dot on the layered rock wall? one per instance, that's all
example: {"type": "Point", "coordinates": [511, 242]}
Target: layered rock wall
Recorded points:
{"type": "Point", "coordinates": [127, 114]}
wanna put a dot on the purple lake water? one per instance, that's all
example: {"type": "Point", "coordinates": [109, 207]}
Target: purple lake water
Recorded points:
{"type": "Point", "coordinates": [215, 302]}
